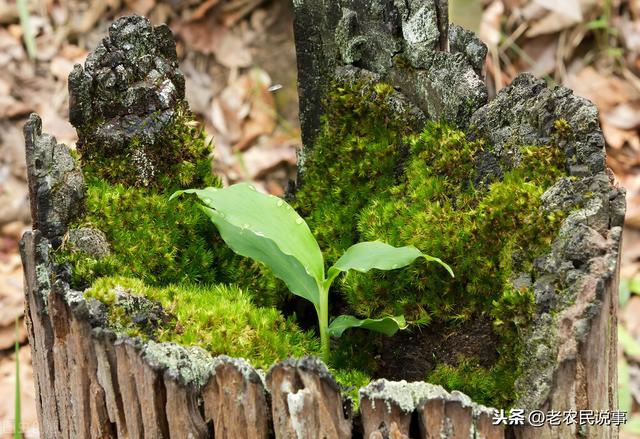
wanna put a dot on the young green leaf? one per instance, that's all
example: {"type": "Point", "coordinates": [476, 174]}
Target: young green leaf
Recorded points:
{"type": "Point", "coordinates": [265, 250]}
{"type": "Point", "coordinates": [387, 325]}
{"type": "Point", "coordinates": [366, 256]}
{"type": "Point", "coordinates": [268, 230]}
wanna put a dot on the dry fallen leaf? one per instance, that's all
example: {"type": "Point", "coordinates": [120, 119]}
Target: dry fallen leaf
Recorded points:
{"type": "Point", "coordinates": [14, 229]}
{"type": "Point", "coordinates": [228, 111]}
{"type": "Point", "coordinates": [208, 36]}
{"type": "Point", "coordinates": [14, 198]}
{"type": "Point", "coordinates": [490, 32]}
{"type": "Point", "coordinates": [569, 8]}
{"type": "Point", "coordinates": [543, 51]}
{"type": "Point", "coordinates": [550, 24]}
{"type": "Point", "coordinates": [10, 107]}
{"type": "Point", "coordinates": [10, 48]}
{"type": "Point", "coordinates": [629, 31]}
{"type": "Point", "coordinates": [60, 67]}
{"type": "Point", "coordinates": [5, 86]}
{"type": "Point", "coordinates": [202, 10]}
{"type": "Point", "coordinates": [616, 137]}
{"type": "Point", "coordinates": [202, 35]}
{"type": "Point", "coordinates": [244, 110]}
{"type": "Point", "coordinates": [12, 150]}
{"type": "Point", "coordinates": [625, 116]}
{"type": "Point", "coordinates": [261, 119]}
{"type": "Point", "coordinates": [57, 125]}
{"type": "Point", "coordinates": [632, 218]}
{"type": "Point", "coordinates": [265, 157]}
{"type": "Point", "coordinates": [260, 160]}
{"type": "Point", "coordinates": [234, 11]}
{"type": "Point", "coordinates": [140, 7]}
{"type": "Point", "coordinates": [631, 315]}
{"type": "Point", "coordinates": [232, 50]}
{"type": "Point", "coordinates": [605, 91]}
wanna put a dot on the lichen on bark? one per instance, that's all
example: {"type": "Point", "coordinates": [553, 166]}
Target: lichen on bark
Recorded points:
{"type": "Point", "coordinates": [405, 42]}
{"type": "Point", "coordinates": [127, 104]}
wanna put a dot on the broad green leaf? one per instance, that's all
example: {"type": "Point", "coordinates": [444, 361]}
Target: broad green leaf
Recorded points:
{"type": "Point", "coordinates": [267, 229]}
{"type": "Point", "coordinates": [629, 344]}
{"type": "Point", "coordinates": [366, 256]}
{"type": "Point", "coordinates": [248, 243]}
{"type": "Point", "coordinates": [387, 325]}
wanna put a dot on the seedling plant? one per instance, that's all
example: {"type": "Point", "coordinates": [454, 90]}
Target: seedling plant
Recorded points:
{"type": "Point", "coordinates": [268, 230]}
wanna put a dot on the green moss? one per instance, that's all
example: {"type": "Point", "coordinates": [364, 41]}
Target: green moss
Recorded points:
{"type": "Point", "coordinates": [562, 128]}
{"type": "Point", "coordinates": [350, 381]}
{"type": "Point", "coordinates": [369, 178]}
{"type": "Point", "coordinates": [357, 155]}
{"type": "Point", "coordinates": [160, 242]}
{"type": "Point", "coordinates": [177, 158]}
{"type": "Point", "coordinates": [485, 234]}
{"type": "Point", "coordinates": [484, 386]}
{"type": "Point", "coordinates": [167, 256]}
{"type": "Point", "coordinates": [221, 319]}
{"type": "Point", "coordinates": [147, 235]}
{"type": "Point", "coordinates": [402, 62]}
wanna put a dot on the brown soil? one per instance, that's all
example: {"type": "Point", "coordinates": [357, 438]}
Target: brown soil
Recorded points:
{"type": "Point", "coordinates": [411, 355]}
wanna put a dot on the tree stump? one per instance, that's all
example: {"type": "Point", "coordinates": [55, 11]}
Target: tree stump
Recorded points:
{"type": "Point", "coordinates": [94, 382]}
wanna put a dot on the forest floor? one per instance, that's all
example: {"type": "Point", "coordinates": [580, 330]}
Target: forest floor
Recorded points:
{"type": "Point", "coordinates": [238, 57]}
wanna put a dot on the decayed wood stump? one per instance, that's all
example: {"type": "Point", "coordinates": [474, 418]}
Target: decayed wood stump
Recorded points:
{"type": "Point", "coordinates": [93, 383]}
{"type": "Point", "coordinates": [570, 353]}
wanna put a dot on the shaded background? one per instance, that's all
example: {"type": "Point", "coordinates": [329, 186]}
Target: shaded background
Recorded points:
{"type": "Point", "coordinates": [238, 58]}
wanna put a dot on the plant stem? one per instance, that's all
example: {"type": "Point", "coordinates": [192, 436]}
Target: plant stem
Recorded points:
{"type": "Point", "coordinates": [323, 323]}
{"type": "Point", "coordinates": [17, 429]}
{"type": "Point", "coordinates": [27, 30]}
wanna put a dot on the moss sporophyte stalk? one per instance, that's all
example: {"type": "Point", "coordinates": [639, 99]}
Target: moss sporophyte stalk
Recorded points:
{"type": "Point", "coordinates": [168, 275]}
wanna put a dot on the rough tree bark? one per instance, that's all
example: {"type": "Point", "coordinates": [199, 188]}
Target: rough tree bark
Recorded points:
{"type": "Point", "coordinates": [94, 383]}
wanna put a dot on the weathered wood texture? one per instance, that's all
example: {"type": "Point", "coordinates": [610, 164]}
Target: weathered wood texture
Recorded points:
{"type": "Point", "coordinates": [306, 401]}
{"type": "Point", "coordinates": [235, 400]}
{"type": "Point", "coordinates": [586, 377]}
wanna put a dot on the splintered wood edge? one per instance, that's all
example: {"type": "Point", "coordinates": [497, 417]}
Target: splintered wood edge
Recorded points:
{"type": "Point", "coordinates": [305, 398]}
